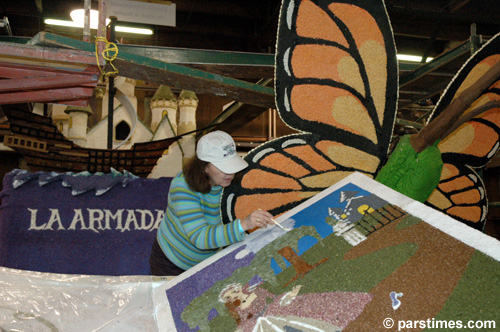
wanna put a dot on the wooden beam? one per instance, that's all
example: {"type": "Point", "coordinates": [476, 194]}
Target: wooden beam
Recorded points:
{"type": "Point", "coordinates": [243, 65]}
{"type": "Point", "coordinates": [47, 82]}
{"type": "Point", "coordinates": [45, 96]}
{"type": "Point", "coordinates": [47, 74]}
{"type": "Point", "coordinates": [158, 72]}
{"type": "Point", "coordinates": [233, 64]}
{"type": "Point", "coordinates": [51, 57]}
{"type": "Point", "coordinates": [9, 70]}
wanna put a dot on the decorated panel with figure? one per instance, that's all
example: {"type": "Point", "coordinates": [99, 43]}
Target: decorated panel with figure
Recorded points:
{"type": "Point", "coordinates": [353, 258]}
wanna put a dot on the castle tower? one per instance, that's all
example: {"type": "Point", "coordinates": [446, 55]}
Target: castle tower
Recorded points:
{"type": "Point", "coordinates": [184, 149]}
{"type": "Point", "coordinates": [164, 104]}
{"type": "Point", "coordinates": [188, 102]}
{"type": "Point", "coordinates": [77, 127]}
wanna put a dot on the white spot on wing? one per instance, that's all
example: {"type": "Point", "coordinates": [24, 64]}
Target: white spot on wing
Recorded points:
{"type": "Point", "coordinates": [493, 151]}
{"type": "Point", "coordinates": [261, 154]}
{"type": "Point", "coordinates": [296, 141]}
{"type": "Point", "coordinates": [481, 192]}
{"type": "Point", "coordinates": [473, 178]}
{"type": "Point", "coordinates": [289, 14]}
{"type": "Point", "coordinates": [286, 61]}
{"type": "Point", "coordinates": [286, 100]}
{"type": "Point", "coordinates": [228, 207]}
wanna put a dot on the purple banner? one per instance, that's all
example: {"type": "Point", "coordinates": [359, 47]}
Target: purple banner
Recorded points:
{"type": "Point", "coordinates": [99, 224]}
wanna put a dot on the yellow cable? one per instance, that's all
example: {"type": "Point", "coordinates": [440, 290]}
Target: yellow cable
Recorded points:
{"type": "Point", "coordinates": [109, 53]}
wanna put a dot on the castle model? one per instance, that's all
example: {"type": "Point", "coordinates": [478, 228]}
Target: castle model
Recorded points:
{"type": "Point", "coordinates": [168, 116]}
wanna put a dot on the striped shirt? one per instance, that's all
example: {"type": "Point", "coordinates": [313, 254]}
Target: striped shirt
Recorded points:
{"type": "Point", "coordinates": [192, 229]}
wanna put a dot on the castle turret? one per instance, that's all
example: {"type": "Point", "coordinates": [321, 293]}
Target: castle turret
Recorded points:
{"type": "Point", "coordinates": [164, 104]}
{"type": "Point", "coordinates": [184, 149]}
{"type": "Point", "coordinates": [188, 102]}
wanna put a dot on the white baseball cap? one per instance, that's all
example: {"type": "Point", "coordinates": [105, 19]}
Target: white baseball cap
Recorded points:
{"type": "Point", "coordinates": [219, 149]}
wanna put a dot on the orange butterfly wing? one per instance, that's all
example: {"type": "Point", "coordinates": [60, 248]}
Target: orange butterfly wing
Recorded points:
{"type": "Point", "coordinates": [461, 191]}
{"type": "Point", "coordinates": [336, 83]}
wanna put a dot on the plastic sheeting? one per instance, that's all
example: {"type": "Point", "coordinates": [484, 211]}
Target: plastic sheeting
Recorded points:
{"type": "Point", "coordinates": [35, 301]}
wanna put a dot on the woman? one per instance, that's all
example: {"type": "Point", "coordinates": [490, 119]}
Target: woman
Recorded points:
{"type": "Point", "coordinates": [192, 229]}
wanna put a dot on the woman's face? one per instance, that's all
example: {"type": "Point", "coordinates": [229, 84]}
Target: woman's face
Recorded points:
{"type": "Point", "coordinates": [217, 177]}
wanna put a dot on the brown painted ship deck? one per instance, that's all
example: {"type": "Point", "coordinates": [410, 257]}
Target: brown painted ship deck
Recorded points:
{"type": "Point", "coordinates": [46, 149]}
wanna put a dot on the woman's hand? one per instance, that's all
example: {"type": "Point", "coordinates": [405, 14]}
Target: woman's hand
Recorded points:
{"type": "Point", "coordinates": [257, 219]}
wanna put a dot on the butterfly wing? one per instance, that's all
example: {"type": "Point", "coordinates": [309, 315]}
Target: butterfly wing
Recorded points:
{"type": "Point", "coordinates": [287, 171]}
{"type": "Point", "coordinates": [336, 72]}
{"type": "Point", "coordinates": [461, 194]}
{"type": "Point", "coordinates": [336, 83]}
{"type": "Point", "coordinates": [461, 191]}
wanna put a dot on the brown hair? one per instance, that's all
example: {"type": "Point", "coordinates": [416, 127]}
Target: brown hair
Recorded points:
{"type": "Point", "coordinates": [196, 177]}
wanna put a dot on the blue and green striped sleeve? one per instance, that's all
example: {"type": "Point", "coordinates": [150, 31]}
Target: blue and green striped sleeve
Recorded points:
{"type": "Point", "coordinates": [192, 228]}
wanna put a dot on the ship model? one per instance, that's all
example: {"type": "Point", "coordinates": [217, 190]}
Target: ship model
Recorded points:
{"type": "Point", "coordinates": [46, 149]}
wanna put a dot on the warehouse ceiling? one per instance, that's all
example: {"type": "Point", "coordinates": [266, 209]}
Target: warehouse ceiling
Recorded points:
{"type": "Point", "coordinates": [427, 28]}
{"type": "Point", "coordinates": [420, 27]}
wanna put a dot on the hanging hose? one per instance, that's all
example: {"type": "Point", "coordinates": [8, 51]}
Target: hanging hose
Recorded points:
{"type": "Point", "coordinates": [109, 53]}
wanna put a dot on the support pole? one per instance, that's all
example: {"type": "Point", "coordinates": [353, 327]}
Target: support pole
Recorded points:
{"type": "Point", "coordinates": [111, 93]}
{"type": "Point", "coordinates": [475, 40]}
{"type": "Point", "coordinates": [86, 21]}
{"type": "Point", "coordinates": [101, 25]}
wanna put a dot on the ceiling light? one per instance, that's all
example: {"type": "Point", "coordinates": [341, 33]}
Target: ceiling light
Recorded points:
{"type": "Point", "coordinates": [412, 58]}
{"type": "Point", "coordinates": [140, 31]}
{"type": "Point", "coordinates": [77, 17]}
{"type": "Point", "coordinates": [50, 21]}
